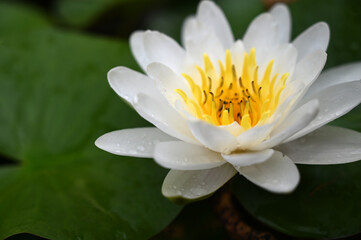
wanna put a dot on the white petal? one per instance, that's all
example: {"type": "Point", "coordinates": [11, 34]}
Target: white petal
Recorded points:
{"type": "Point", "coordinates": [188, 28]}
{"type": "Point", "coordinates": [262, 34]}
{"type": "Point", "coordinates": [152, 46]}
{"type": "Point", "coordinates": [293, 95]}
{"type": "Point", "coordinates": [341, 74]}
{"type": "Point", "coordinates": [282, 16]}
{"type": "Point", "coordinates": [237, 52]}
{"type": "Point", "coordinates": [234, 128]}
{"type": "Point", "coordinates": [185, 156]}
{"type": "Point", "coordinates": [309, 68]}
{"type": "Point", "coordinates": [164, 117]}
{"type": "Point", "coordinates": [198, 40]}
{"type": "Point", "coordinates": [291, 125]}
{"type": "Point", "coordinates": [128, 83]}
{"type": "Point", "coordinates": [314, 38]}
{"type": "Point", "coordinates": [334, 101]}
{"type": "Point", "coordinates": [196, 184]}
{"type": "Point", "coordinates": [137, 46]}
{"type": "Point", "coordinates": [327, 145]}
{"type": "Point", "coordinates": [167, 81]}
{"type": "Point", "coordinates": [244, 159]}
{"type": "Point", "coordinates": [213, 137]}
{"type": "Point", "coordinates": [212, 16]}
{"type": "Point", "coordinates": [137, 142]}
{"type": "Point", "coordinates": [254, 135]}
{"type": "Point", "coordinates": [279, 174]}
{"type": "Point", "coordinates": [285, 57]}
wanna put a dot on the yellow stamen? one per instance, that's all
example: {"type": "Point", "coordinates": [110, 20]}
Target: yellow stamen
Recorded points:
{"type": "Point", "coordinates": [225, 96]}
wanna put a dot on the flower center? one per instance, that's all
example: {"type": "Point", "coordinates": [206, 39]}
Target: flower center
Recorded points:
{"type": "Point", "coordinates": [228, 96]}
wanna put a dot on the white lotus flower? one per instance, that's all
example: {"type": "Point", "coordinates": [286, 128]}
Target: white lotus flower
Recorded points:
{"type": "Point", "coordinates": [222, 106]}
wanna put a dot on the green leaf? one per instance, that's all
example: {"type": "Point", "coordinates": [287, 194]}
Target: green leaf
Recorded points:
{"type": "Point", "coordinates": [54, 102]}
{"type": "Point", "coordinates": [326, 203]}
{"type": "Point", "coordinates": [200, 214]}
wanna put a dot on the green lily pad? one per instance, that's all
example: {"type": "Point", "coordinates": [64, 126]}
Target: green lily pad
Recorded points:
{"type": "Point", "coordinates": [326, 204]}
{"type": "Point", "coordinates": [54, 102]}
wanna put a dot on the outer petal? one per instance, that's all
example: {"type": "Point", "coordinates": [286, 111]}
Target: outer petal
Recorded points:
{"type": "Point", "coordinates": [152, 46]}
{"type": "Point", "coordinates": [327, 145]}
{"type": "Point", "coordinates": [196, 184]}
{"type": "Point", "coordinates": [292, 124]}
{"type": "Point", "coordinates": [282, 16]}
{"type": "Point", "coordinates": [137, 142]}
{"type": "Point", "coordinates": [314, 38]}
{"type": "Point", "coordinates": [214, 138]}
{"type": "Point", "coordinates": [164, 117]}
{"type": "Point", "coordinates": [137, 47]}
{"type": "Point", "coordinates": [279, 174]}
{"type": "Point", "coordinates": [334, 101]}
{"type": "Point", "coordinates": [128, 84]}
{"type": "Point", "coordinates": [167, 81]}
{"type": "Point", "coordinates": [262, 34]}
{"type": "Point", "coordinates": [184, 156]}
{"type": "Point", "coordinates": [309, 68]}
{"type": "Point", "coordinates": [244, 159]}
{"type": "Point", "coordinates": [212, 16]}
{"type": "Point", "coordinates": [334, 76]}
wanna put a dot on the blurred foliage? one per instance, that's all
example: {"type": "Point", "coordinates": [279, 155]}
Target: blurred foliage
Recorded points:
{"type": "Point", "coordinates": [55, 101]}
{"type": "Point", "coordinates": [118, 17]}
{"type": "Point", "coordinates": [82, 12]}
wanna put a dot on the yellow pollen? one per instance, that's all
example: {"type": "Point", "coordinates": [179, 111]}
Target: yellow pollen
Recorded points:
{"type": "Point", "coordinates": [225, 96]}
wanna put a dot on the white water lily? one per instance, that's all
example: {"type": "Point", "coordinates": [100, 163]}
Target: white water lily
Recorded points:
{"type": "Point", "coordinates": [222, 106]}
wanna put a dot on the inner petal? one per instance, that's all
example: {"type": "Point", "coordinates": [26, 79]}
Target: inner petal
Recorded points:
{"type": "Point", "coordinates": [225, 96]}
